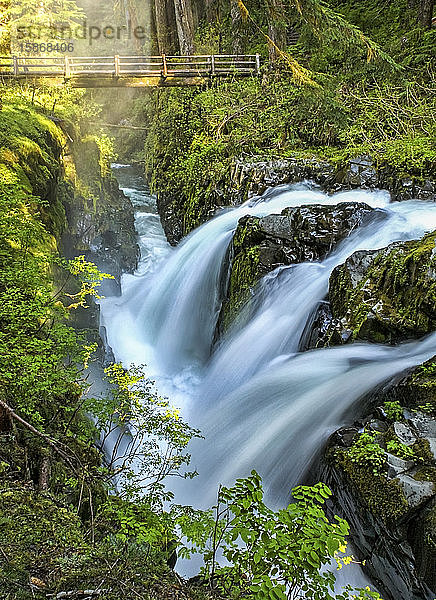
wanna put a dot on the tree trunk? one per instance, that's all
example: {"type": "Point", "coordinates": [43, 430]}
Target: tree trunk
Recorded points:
{"type": "Point", "coordinates": [185, 26]}
{"type": "Point", "coordinates": [276, 27]}
{"type": "Point", "coordinates": [210, 11]}
{"type": "Point", "coordinates": [44, 472]}
{"type": "Point", "coordinates": [5, 420]}
{"type": "Point", "coordinates": [162, 29]}
{"type": "Point", "coordinates": [172, 27]}
{"type": "Point", "coordinates": [426, 12]}
{"type": "Point", "coordinates": [235, 14]}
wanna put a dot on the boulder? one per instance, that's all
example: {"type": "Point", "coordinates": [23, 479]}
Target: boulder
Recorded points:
{"type": "Point", "coordinates": [261, 244]}
{"type": "Point", "coordinates": [387, 295]}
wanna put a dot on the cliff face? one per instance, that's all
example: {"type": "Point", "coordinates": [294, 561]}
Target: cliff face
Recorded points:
{"type": "Point", "coordinates": [247, 177]}
{"type": "Point", "coordinates": [99, 217]}
{"type": "Point", "coordinates": [40, 382]}
{"type": "Point", "coordinates": [386, 476]}
{"type": "Point", "coordinates": [385, 481]}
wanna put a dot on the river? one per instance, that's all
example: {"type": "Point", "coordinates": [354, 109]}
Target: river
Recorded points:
{"type": "Point", "coordinates": [259, 402]}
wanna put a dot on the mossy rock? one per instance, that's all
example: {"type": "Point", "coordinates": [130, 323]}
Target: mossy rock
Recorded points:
{"type": "Point", "coordinates": [36, 536]}
{"type": "Point", "coordinates": [388, 295]}
{"type": "Point", "coordinates": [299, 234]}
{"type": "Point", "coordinates": [384, 498]}
{"type": "Point", "coordinates": [416, 389]}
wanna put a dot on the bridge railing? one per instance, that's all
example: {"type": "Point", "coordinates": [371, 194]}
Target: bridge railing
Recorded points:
{"type": "Point", "coordinates": [160, 66]}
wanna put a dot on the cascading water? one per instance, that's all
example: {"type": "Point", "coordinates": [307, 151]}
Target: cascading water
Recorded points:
{"type": "Point", "coordinates": [259, 403]}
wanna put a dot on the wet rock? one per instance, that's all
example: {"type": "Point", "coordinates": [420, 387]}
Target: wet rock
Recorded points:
{"type": "Point", "coordinates": [343, 437]}
{"type": "Point", "coordinates": [390, 560]}
{"type": "Point", "coordinates": [393, 513]}
{"type": "Point", "coordinates": [323, 330]}
{"type": "Point", "coordinates": [261, 244]}
{"type": "Point", "coordinates": [404, 434]}
{"type": "Point", "coordinates": [397, 466]}
{"type": "Point", "coordinates": [251, 176]}
{"type": "Point", "coordinates": [361, 173]}
{"type": "Point", "coordinates": [104, 232]}
{"type": "Point", "coordinates": [387, 295]}
{"type": "Point", "coordinates": [416, 492]}
{"type": "Point", "coordinates": [425, 426]}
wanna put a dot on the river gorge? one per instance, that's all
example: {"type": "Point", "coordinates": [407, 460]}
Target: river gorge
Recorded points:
{"type": "Point", "coordinates": [260, 395]}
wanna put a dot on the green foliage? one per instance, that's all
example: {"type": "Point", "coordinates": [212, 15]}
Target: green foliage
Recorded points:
{"type": "Point", "coordinates": [393, 410]}
{"type": "Point", "coordinates": [399, 449]}
{"type": "Point", "coordinates": [89, 277]}
{"type": "Point", "coordinates": [359, 108]}
{"type": "Point", "coordinates": [366, 452]}
{"type": "Point", "coordinates": [48, 550]}
{"type": "Point", "coordinates": [72, 535]}
{"type": "Point", "coordinates": [24, 16]}
{"type": "Point", "coordinates": [106, 152]}
{"type": "Point", "coordinates": [273, 554]}
{"type": "Point", "coordinates": [334, 29]}
{"type": "Point", "coordinates": [148, 429]}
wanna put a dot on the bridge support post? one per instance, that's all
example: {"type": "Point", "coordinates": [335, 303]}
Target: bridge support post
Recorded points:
{"type": "Point", "coordinates": [258, 64]}
{"type": "Point", "coordinates": [15, 65]}
{"type": "Point", "coordinates": [67, 67]}
{"type": "Point", "coordinates": [164, 66]}
{"type": "Point", "coordinates": [117, 65]}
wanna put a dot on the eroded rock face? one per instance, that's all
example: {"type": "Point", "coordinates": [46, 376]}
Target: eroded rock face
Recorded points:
{"type": "Point", "coordinates": [306, 233]}
{"type": "Point", "coordinates": [101, 222]}
{"type": "Point", "coordinates": [387, 295]}
{"type": "Point", "coordinates": [251, 176]}
{"type": "Point", "coordinates": [394, 560]}
{"type": "Point", "coordinates": [256, 174]}
{"type": "Point", "coordinates": [393, 511]}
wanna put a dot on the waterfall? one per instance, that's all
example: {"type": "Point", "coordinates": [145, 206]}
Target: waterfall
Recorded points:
{"type": "Point", "coordinates": [286, 298]}
{"type": "Point", "coordinates": [278, 419]}
{"type": "Point", "coordinates": [258, 401]}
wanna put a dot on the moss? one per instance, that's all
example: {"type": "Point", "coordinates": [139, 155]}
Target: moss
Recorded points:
{"type": "Point", "coordinates": [426, 473]}
{"type": "Point", "coordinates": [421, 449]}
{"type": "Point", "coordinates": [384, 498]}
{"type": "Point", "coordinates": [399, 282]}
{"type": "Point", "coordinates": [44, 543]}
{"type": "Point", "coordinates": [243, 278]}
{"type": "Point", "coordinates": [244, 271]}
{"type": "Point", "coordinates": [35, 535]}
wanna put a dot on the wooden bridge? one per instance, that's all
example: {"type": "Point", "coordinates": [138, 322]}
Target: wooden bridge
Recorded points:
{"type": "Point", "coordinates": [127, 71]}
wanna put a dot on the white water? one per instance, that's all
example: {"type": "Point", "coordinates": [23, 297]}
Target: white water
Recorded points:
{"type": "Point", "coordinates": [259, 403]}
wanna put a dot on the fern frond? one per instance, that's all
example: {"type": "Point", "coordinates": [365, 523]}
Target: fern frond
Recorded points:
{"type": "Point", "coordinates": [328, 24]}
{"type": "Point", "coordinates": [243, 10]}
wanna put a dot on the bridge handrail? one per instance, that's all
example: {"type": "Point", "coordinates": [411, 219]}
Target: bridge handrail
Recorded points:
{"type": "Point", "coordinates": [116, 65]}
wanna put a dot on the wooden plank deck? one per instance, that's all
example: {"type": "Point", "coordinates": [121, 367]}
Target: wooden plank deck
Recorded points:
{"type": "Point", "coordinates": [127, 71]}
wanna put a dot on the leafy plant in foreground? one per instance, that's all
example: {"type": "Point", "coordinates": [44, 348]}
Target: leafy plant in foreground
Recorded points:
{"type": "Point", "coordinates": [274, 554]}
{"type": "Point", "coordinates": [393, 410]}
{"type": "Point", "coordinates": [401, 450]}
